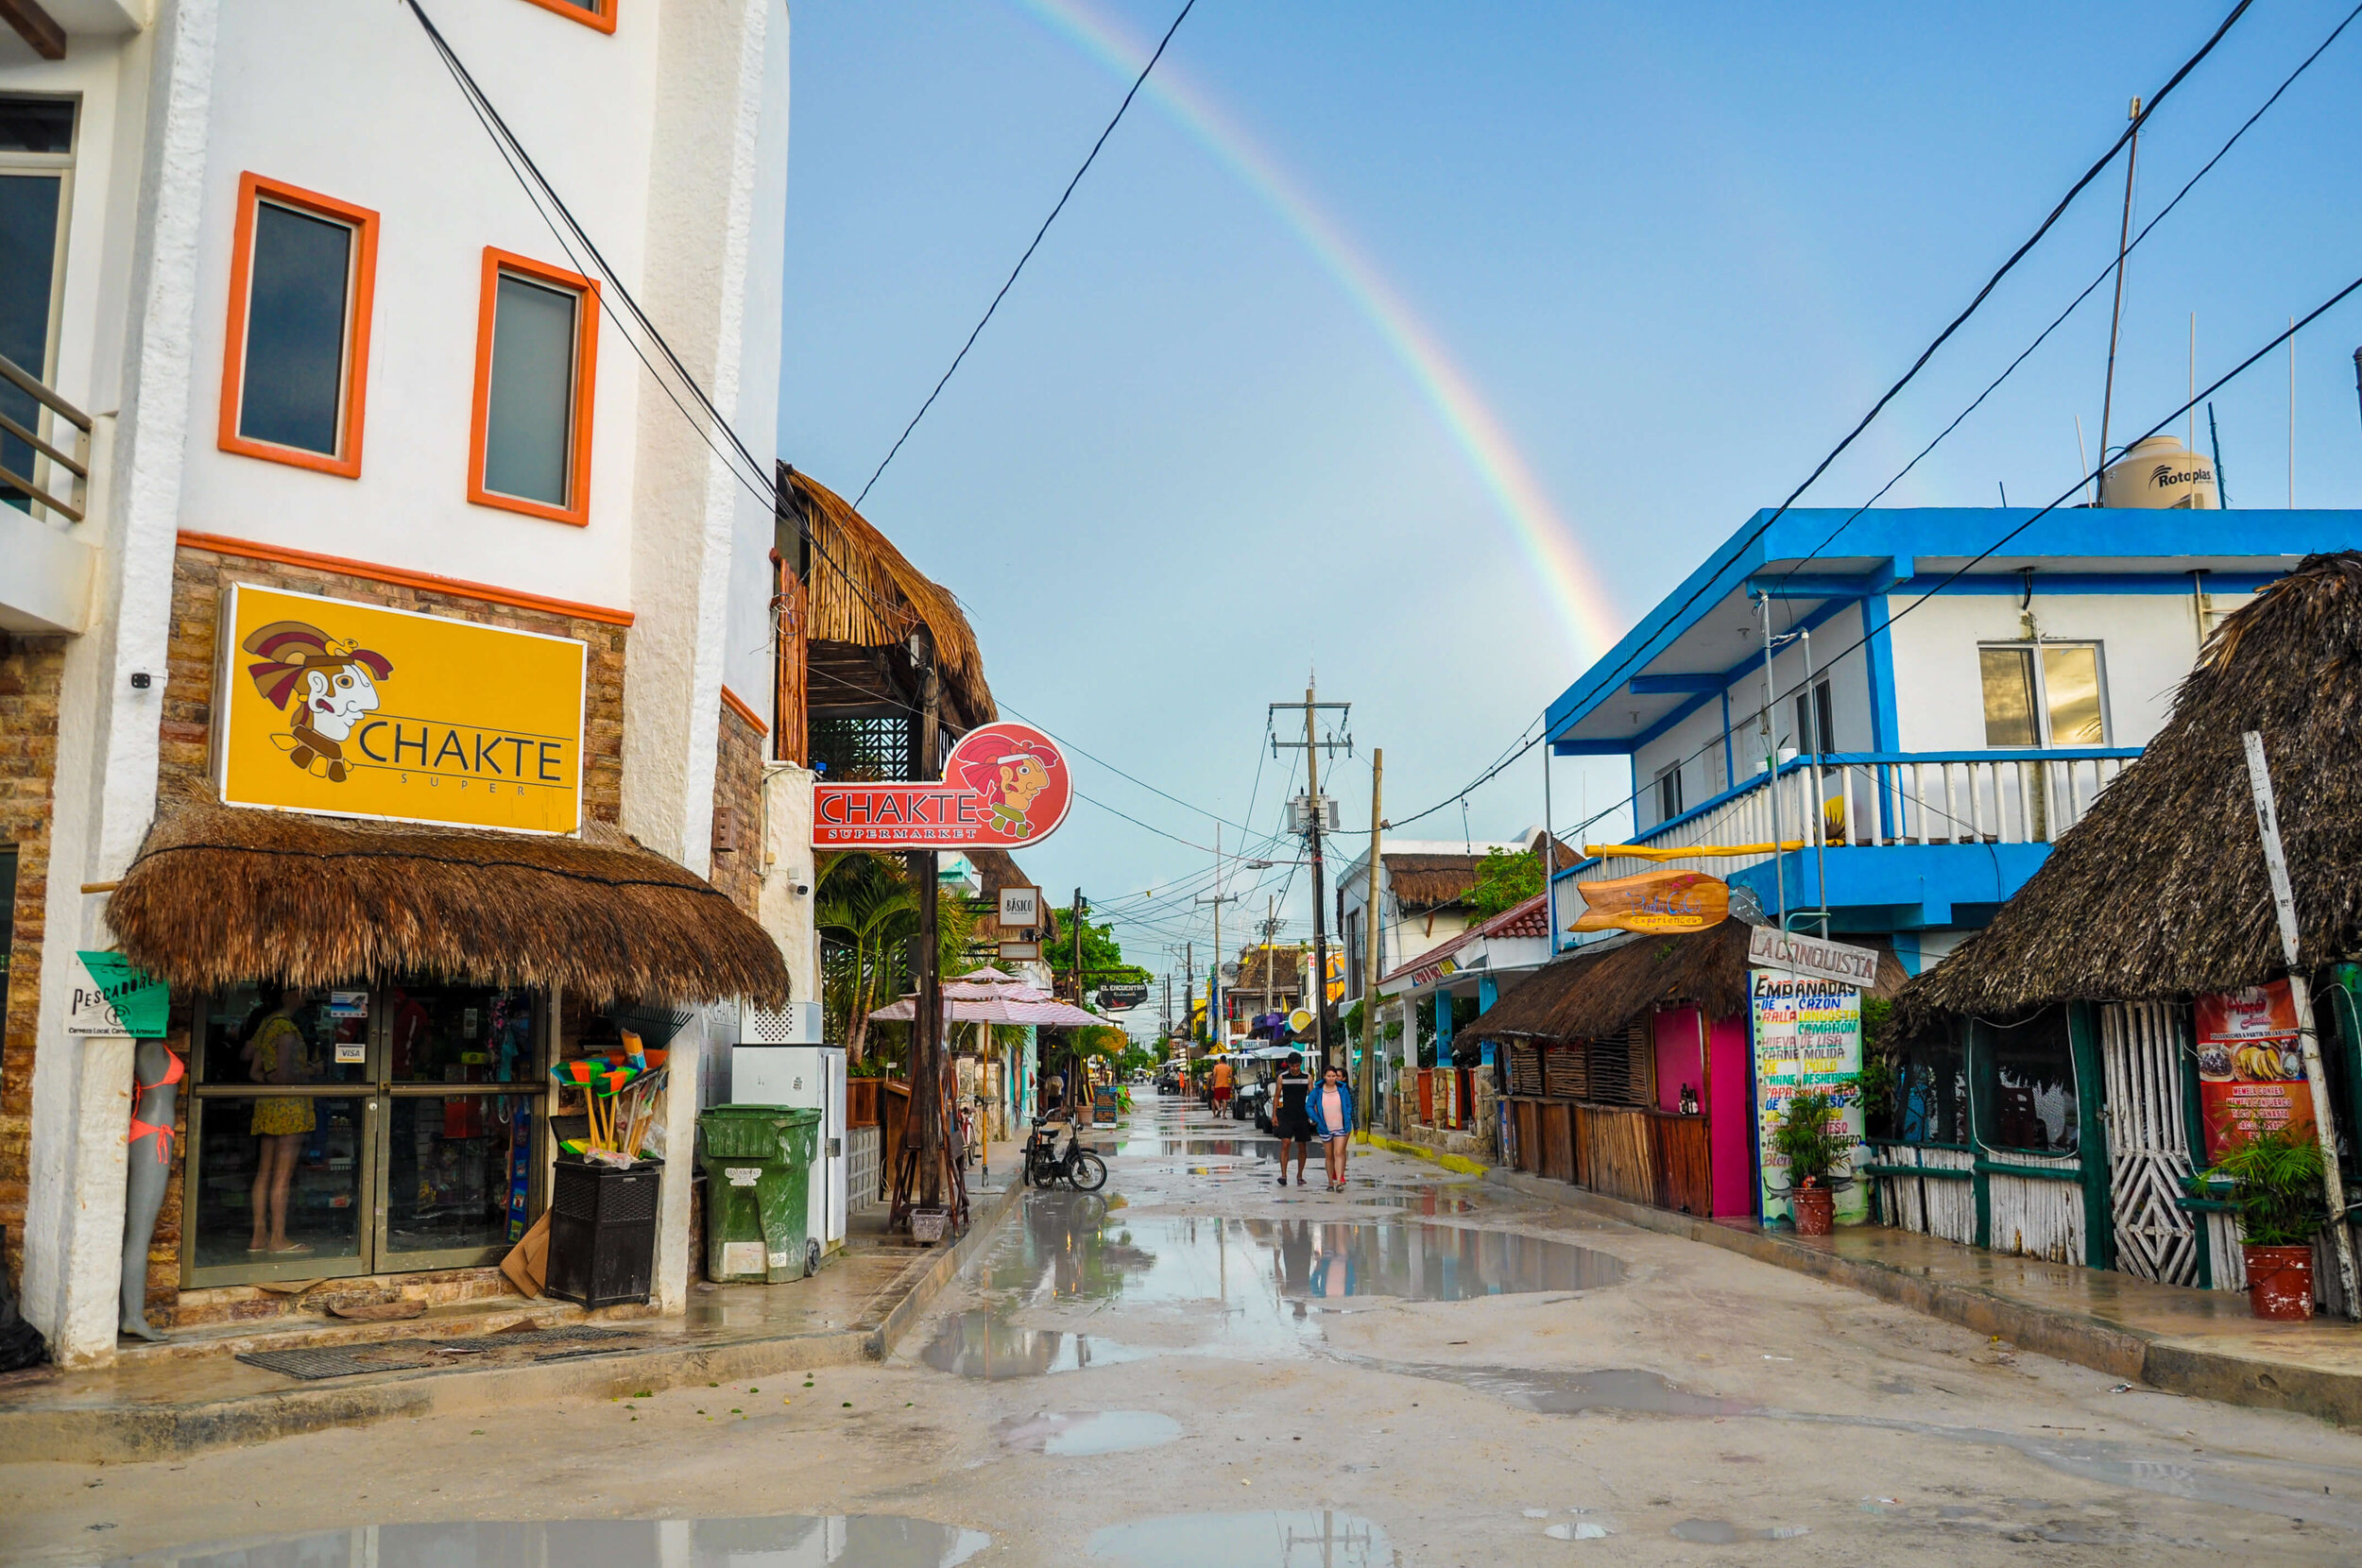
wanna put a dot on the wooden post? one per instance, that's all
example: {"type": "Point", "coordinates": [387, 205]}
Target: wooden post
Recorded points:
{"type": "Point", "coordinates": [2301, 992]}
{"type": "Point", "coordinates": [1372, 927]}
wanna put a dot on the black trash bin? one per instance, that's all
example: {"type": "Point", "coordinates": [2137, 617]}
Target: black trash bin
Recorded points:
{"type": "Point", "coordinates": [603, 1231]}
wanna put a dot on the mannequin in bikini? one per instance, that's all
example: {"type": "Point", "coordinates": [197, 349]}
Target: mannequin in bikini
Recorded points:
{"type": "Point", "coordinates": [156, 1076]}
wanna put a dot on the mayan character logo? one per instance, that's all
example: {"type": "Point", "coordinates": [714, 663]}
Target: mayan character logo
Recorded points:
{"type": "Point", "coordinates": [323, 686]}
{"type": "Point", "coordinates": [1011, 772]}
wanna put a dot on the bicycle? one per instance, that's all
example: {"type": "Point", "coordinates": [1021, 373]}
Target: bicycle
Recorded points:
{"type": "Point", "coordinates": [1079, 1167]}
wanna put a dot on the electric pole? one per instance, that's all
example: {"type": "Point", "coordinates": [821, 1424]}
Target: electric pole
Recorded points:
{"type": "Point", "coordinates": [1368, 1077]}
{"type": "Point", "coordinates": [1316, 986]}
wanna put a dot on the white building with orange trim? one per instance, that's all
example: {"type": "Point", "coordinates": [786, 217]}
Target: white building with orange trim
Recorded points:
{"type": "Point", "coordinates": [309, 324]}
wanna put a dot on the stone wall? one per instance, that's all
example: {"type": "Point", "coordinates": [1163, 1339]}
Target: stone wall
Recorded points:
{"type": "Point", "coordinates": [738, 810]}
{"type": "Point", "coordinates": [201, 583]}
{"type": "Point", "coordinates": [30, 670]}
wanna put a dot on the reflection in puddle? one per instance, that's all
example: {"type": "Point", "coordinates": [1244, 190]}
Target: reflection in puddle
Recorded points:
{"type": "Point", "coordinates": [793, 1540]}
{"type": "Point", "coordinates": [984, 1344]}
{"type": "Point", "coordinates": [1722, 1533]}
{"type": "Point", "coordinates": [1569, 1393]}
{"type": "Point", "coordinates": [1063, 1434]}
{"type": "Point", "coordinates": [1324, 1539]}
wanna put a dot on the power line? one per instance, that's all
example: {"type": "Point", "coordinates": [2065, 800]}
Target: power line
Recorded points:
{"type": "Point", "coordinates": [1137, 83]}
{"type": "Point", "coordinates": [2148, 108]}
{"type": "Point", "coordinates": [1773, 700]}
{"type": "Point", "coordinates": [2077, 302]}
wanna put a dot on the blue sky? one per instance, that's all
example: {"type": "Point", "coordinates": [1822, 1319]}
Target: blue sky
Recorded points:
{"type": "Point", "coordinates": [1675, 251]}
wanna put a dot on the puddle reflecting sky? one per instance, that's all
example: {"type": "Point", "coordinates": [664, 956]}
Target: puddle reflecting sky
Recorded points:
{"type": "Point", "coordinates": [1077, 1434]}
{"type": "Point", "coordinates": [1242, 1282]}
{"type": "Point", "coordinates": [1313, 1539]}
{"type": "Point", "coordinates": [793, 1540]}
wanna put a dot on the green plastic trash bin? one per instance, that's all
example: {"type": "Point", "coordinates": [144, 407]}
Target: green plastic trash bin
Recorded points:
{"type": "Point", "coordinates": [758, 1166]}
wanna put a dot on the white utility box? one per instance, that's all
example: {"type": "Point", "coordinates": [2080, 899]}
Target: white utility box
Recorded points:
{"type": "Point", "coordinates": [806, 1077]}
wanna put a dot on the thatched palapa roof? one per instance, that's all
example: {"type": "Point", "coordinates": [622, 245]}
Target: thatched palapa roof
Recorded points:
{"type": "Point", "coordinates": [1599, 990]}
{"type": "Point", "coordinates": [865, 592]}
{"type": "Point", "coordinates": [221, 894]}
{"type": "Point", "coordinates": [1427, 881]}
{"type": "Point", "coordinates": [2160, 890]}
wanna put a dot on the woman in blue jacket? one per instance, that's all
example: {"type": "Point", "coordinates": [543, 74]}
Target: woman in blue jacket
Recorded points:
{"type": "Point", "coordinates": [1332, 1105]}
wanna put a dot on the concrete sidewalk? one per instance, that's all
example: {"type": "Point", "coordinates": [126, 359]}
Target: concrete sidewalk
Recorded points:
{"type": "Point", "coordinates": [190, 1393]}
{"type": "Point", "coordinates": [2203, 1343]}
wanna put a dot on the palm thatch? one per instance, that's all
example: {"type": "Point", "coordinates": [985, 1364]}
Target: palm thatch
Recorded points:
{"type": "Point", "coordinates": [865, 592]}
{"type": "Point", "coordinates": [219, 894]}
{"type": "Point", "coordinates": [2160, 891]}
{"type": "Point", "coordinates": [1600, 989]}
{"type": "Point", "coordinates": [1430, 881]}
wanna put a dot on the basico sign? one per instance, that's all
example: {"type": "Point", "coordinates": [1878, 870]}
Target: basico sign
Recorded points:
{"type": "Point", "coordinates": [1002, 785]}
{"type": "Point", "coordinates": [357, 710]}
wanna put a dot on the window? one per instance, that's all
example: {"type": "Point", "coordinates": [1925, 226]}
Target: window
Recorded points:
{"type": "Point", "coordinates": [35, 170]}
{"type": "Point", "coordinates": [1669, 791]}
{"type": "Point", "coordinates": [2030, 1069]}
{"type": "Point", "coordinates": [591, 13]}
{"type": "Point", "coordinates": [296, 360]}
{"type": "Point", "coordinates": [2042, 694]}
{"type": "Point", "coordinates": [537, 348]}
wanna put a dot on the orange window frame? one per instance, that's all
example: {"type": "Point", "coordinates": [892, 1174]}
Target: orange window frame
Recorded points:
{"type": "Point", "coordinates": [577, 510]}
{"type": "Point", "coordinates": [361, 293]}
{"type": "Point", "coordinates": [601, 20]}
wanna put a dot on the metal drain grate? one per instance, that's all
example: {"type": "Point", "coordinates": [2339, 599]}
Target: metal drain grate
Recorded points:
{"type": "Point", "coordinates": [313, 1363]}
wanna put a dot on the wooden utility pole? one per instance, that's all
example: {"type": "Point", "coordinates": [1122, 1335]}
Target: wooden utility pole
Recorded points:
{"type": "Point", "coordinates": [2301, 992]}
{"type": "Point", "coordinates": [1316, 988]}
{"type": "Point", "coordinates": [1078, 1103]}
{"type": "Point", "coordinates": [1371, 926]}
{"type": "Point", "coordinates": [1316, 983]}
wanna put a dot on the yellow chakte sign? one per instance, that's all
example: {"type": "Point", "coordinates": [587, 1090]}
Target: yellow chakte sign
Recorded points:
{"type": "Point", "coordinates": [355, 710]}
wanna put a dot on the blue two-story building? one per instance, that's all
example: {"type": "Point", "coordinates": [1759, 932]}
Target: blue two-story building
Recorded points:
{"type": "Point", "coordinates": [1932, 717]}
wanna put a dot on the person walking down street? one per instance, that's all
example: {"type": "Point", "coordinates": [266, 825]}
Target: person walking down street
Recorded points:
{"type": "Point", "coordinates": [1222, 1088]}
{"type": "Point", "coordinates": [1332, 1118]}
{"type": "Point", "coordinates": [1290, 1119]}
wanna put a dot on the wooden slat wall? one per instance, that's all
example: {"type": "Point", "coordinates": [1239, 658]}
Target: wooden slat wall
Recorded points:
{"type": "Point", "coordinates": [1558, 1142]}
{"type": "Point", "coordinates": [1619, 1154]}
{"type": "Point", "coordinates": [790, 700]}
{"type": "Point", "coordinates": [1688, 1184]}
{"type": "Point", "coordinates": [1529, 1136]}
{"type": "Point", "coordinates": [1566, 1072]}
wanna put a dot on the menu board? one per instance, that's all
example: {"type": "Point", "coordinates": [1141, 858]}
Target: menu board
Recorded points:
{"type": "Point", "coordinates": [2251, 1067]}
{"type": "Point", "coordinates": [1808, 1035]}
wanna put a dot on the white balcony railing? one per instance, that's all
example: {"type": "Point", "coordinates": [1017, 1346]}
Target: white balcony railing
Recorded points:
{"type": "Point", "coordinates": [1857, 799]}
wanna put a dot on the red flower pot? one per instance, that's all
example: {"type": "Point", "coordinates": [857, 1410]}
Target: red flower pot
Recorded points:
{"type": "Point", "coordinates": [2280, 1281]}
{"type": "Point", "coordinates": [1815, 1211]}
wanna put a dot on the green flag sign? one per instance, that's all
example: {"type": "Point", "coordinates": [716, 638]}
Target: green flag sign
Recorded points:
{"type": "Point", "coordinates": [118, 1000]}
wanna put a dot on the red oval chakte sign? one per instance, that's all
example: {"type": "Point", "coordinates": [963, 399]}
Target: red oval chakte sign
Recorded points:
{"type": "Point", "coordinates": [1003, 785]}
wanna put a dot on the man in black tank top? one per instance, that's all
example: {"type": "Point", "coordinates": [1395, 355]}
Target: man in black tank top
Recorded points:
{"type": "Point", "coordinates": [1291, 1118]}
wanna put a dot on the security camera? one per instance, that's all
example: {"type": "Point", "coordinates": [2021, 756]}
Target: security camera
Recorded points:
{"type": "Point", "coordinates": [803, 889]}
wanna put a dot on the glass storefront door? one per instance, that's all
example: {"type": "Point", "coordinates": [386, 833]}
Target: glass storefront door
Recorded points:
{"type": "Point", "coordinates": [361, 1130]}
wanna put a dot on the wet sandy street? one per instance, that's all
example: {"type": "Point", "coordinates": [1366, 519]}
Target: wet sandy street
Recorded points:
{"type": "Point", "coordinates": [1199, 1366]}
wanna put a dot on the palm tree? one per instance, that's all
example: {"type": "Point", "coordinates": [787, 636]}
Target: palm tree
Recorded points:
{"type": "Point", "coordinates": [872, 914]}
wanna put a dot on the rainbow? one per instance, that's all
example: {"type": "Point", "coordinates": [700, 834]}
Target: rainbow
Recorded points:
{"type": "Point", "coordinates": [1573, 589]}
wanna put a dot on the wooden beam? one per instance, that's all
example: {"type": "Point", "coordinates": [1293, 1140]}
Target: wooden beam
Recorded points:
{"type": "Point", "coordinates": [36, 26]}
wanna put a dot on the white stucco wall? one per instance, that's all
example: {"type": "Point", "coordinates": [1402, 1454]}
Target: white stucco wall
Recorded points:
{"type": "Point", "coordinates": [667, 139]}
{"type": "Point", "coordinates": [2148, 644]}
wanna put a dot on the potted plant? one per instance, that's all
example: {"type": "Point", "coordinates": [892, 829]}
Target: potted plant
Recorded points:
{"type": "Point", "coordinates": [2274, 1176]}
{"type": "Point", "coordinates": [1814, 1153]}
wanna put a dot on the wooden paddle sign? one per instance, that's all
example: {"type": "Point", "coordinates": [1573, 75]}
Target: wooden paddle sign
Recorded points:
{"type": "Point", "coordinates": [1665, 900]}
